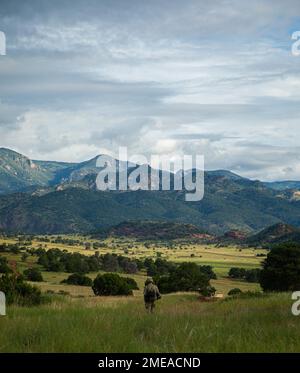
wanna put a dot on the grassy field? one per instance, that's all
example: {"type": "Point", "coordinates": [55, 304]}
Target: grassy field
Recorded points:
{"type": "Point", "coordinates": [181, 324]}
{"type": "Point", "coordinates": [80, 322]}
{"type": "Point", "coordinates": [220, 258]}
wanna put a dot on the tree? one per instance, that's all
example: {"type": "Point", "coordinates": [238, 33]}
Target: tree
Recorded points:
{"type": "Point", "coordinates": [253, 275]}
{"type": "Point", "coordinates": [111, 284]}
{"type": "Point", "coordinates": [33, 274]}
{"type": "Point", "coordinates": [130, 267]}
{"type": "Point", "coordinates": [237, 272]}
{"type": "Point", "coordinates": [234, 291]}
{"type": "Point", "coordinates": [24, 257]}
{"type": "Point", "coordinates": [19, 292]}
{"type": "Point", "coordinates": [281, 269]}
{"type": "Point", "coordinates": [4, 268]}
{"type": "Point", "coordinates": [110, 263]}
{"type": "Point", "coordinates": [185, 277]}
{"type": "Point", "coordinates": [249, 275]}
{"type": "Point", "coordinates": [208, 291]}
{"type": "Point", "coordinates": [78, 279]}
{"type": "Point", "coordinates": [132, 283]}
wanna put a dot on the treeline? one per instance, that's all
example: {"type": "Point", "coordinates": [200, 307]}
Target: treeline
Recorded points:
{"type": "Point", "coordinates": [249, 275]}
{"type": "Point", "coordinates": [11, 248]}
{"type": "Point", "coordinates": [55, 260]}
{"type": "Point", "coordinates": [160, 267]}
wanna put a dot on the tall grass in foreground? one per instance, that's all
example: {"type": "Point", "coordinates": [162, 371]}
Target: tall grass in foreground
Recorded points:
{"type": "Point", "coordinates": [181, 324]}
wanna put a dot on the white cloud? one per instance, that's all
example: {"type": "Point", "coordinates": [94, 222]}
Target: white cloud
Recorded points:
{"type": "Point", "coordinates": [211, 77]}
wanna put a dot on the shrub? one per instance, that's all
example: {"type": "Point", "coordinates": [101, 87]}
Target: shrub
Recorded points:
{"type": "Point", "coordinates": [24, 257]}
{"type": "Point", "coordinates": [132, 283]}
{"type": "Point", "coordinates": [249, 275]}
{"type": "Point", "coordinates": [111, 284]}
{"type": "Point", "coordinates": [237, 272]}
{"type": "Point", "coordinates": [33, 274]}
{"type": "Point", "coordinates": [4, 268]}
{"type": "Point", "coordinates": [235, 291]}
{"type": "Point", "coordinates": [208, 270]}
{"type": "Point", "coordinates": [78, 279]}
{"type": "Point", "coordinates": [251, 294]}
{"type": "Point", "coordinates": [208, 291]}
{"type": "Point", "coordinates": [281, 269]}
{"type": "Point", "coordinates": [19, 292]}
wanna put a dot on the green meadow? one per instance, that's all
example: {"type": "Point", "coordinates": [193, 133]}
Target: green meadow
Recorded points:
{"type": "Point", "coordinates": [74, 320]}
{"type": "Point", "coordinates": [182, 323]}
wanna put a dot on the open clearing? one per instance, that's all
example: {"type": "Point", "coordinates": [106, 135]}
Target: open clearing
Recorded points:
{"type": "Point", "coordinates": [181, 324]}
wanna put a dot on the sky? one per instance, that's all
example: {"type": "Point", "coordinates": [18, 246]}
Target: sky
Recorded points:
{"type": "Point", "coordinates": [168, 77]}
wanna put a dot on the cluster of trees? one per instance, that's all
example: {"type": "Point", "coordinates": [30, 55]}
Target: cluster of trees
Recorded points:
{"type": "Point", "coordinates": [33, 274]}
{"type": "Point", "coordinates": [113, 284]}
{"type": "Point", "coordinates": [249, 275]}
{"type": "Point", "coordinates": [55, 260]}
{"type": "Point", "coordinates": [66, 241]}
{"type": "Point", "coordinates": [160, 267]}
{"type": "Point", "coordinates": [17, 291]}
{"type": "Point", "coordinates": [157, 267]}
{"type": "Point", "coordinates": [12, 248]}
{"type": "Point", "coordinates": [186, 277]}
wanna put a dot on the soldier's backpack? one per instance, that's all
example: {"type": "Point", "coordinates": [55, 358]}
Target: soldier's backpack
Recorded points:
{"type": "Point", "coordinates": [150, 294]}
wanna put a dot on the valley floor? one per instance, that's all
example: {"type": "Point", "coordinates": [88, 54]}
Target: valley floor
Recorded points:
{"type": "Point", "coordinates": [181, 323]}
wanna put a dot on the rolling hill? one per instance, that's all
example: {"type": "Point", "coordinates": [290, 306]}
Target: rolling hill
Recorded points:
{"type": "Point", "coordinates": [275, 234]}
{"type": "Point", "coordinates": [151, 230]}
{"type": "Point", "coordinates": [283, 185]}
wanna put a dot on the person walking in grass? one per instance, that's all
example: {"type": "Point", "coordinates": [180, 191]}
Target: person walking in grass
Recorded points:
{"type": "Point", "coordinates": [151, 295]}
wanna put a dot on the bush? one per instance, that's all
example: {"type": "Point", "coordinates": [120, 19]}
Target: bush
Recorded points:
{"type": "Point", "coordinates": [235, 291]}
{"type": "Point", "coordinates": [249, 275]}
{"type": "Point", "coordinates": [78, 279]}
{"type": "Point", "coordinates": [185, 277]}
{"type": "Point", "coordinates": [208, 270]}
{"type": "Point", "coordinates": [281, 269]}
{"type": "Point", "coordinates": [33, 274]}
{"type": "Point", "coordinates": [237, 272]}
{"type": "Point", "coordinates": [111, 284]}
{"type": "Point", "coordinates": [208, 291]}
{"type": "Point", "coordinates": [132, 283]}
{"type": "Point", "coordinates": [19, 292]}
{"type": "Point", "coordinates": [4, 268]}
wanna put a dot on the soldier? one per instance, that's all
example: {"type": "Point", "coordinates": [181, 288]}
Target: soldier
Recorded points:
{"type": "Point", "coordinates": [151, 294]}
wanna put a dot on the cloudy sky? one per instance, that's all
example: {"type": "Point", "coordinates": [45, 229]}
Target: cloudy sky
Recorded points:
{"type": "Point", "coordinates": [163, 76]}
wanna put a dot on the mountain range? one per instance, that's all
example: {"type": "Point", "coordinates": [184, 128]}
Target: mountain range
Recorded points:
{"type": "Point", "coordinates": [57, 197]}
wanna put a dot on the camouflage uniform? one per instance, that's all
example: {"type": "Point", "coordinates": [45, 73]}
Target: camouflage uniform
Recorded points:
{"type": "Point", "coordinates": [151, 294]}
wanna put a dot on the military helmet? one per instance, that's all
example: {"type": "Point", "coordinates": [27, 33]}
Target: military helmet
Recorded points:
{"type": "Point", "coordinates": [149, 281]}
